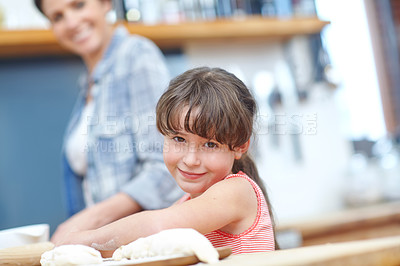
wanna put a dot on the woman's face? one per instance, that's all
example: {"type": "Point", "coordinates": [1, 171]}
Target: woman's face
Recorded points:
{"type": "Point", "coordinates": [79, 25]}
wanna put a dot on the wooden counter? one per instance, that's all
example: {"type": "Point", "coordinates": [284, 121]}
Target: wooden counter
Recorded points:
{"type": "Point", "coordinates": [365, 222]}
{"type": "Point", "coordinates": [382, 251]}
{"type": "Point", "coordinates": [379, 220]}
{"type": "Point", "coordinates": [21, 43]}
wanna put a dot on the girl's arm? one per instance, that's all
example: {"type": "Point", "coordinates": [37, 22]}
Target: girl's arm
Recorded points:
{"type": "Point", "coordinates": [230, 205]}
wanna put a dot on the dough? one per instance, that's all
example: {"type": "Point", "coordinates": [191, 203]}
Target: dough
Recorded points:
{"type": "Point", "coordinates": [71, 255]}
{"type": "Point", "coordinates": [171, 242]}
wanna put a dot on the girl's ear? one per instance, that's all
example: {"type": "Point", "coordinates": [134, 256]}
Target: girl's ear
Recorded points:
{"type": "Point", "coordinates": [107, 4]}
{"type": "Point", "coordinates": [239, 151]}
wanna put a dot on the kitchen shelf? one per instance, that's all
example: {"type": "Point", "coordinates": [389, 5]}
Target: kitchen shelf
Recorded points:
{"type": "Point", "coordinates": [23, 43]}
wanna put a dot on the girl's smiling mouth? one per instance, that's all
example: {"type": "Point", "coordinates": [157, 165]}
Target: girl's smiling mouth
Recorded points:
{"type": "Point", "coordinates": [190, 175]}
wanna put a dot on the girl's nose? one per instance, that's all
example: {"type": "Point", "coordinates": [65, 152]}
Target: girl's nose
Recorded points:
{"type": "Point", "coordinates": [191, 157]}
{"type": "Point", "coordinates": [71, 21]}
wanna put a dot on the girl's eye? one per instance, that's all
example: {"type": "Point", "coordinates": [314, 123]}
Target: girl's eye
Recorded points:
{"type": "Point", "coordinates": [211, 145]}
{"type": "Point", "coordinates": [56, 18]}
{"type": "Point", "coordinates": [178, 139]}
{"type": "Point", "coordinates": [79, 4]}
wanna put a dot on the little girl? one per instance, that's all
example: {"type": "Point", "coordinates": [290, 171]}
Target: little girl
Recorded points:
{"type": "Point", "coordinates": [206, 116]}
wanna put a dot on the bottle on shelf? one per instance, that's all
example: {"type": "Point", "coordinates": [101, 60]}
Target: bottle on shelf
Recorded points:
{"type": "Point", "coordinates": [175, 11]}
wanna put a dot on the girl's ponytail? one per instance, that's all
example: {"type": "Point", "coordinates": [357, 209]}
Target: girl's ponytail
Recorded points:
{"type": "Point", "coordinates": [247, 165]}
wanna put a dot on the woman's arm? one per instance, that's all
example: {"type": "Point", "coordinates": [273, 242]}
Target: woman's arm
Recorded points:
{"type": "Point", "coordinates": [145, 80]}
{"type": "Point", "coordinates": [107, 211]}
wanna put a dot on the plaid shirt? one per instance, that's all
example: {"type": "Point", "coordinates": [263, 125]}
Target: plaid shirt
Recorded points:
{"type": "Point", "coordinates": [124, 150]}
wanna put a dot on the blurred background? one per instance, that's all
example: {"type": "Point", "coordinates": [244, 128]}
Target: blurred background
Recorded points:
{"type": "Point", "coordinates": [325, 75]}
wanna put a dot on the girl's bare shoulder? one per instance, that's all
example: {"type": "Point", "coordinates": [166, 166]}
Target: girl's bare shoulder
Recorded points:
{"type": "Point", "coordinates": [233, 189]}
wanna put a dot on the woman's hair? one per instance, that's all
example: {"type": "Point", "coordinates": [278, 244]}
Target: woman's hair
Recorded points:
{"type": "Point", "coordinates": [38, 4]}
{"type": "Point", "coordinates": [219, 106]}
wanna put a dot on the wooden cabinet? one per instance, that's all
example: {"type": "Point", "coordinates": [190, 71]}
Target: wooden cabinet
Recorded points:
{"type": "Point", "coordinates": [21, 43]}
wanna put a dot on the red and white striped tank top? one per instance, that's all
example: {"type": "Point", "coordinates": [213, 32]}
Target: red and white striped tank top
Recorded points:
{"type": "Point", "coordinates": [258, 238]}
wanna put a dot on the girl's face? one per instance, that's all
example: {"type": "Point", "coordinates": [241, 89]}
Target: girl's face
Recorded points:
{"type": "Point", "coordinates": [79, 25]}
{"type": "Point", "coordinates": [197, 163]}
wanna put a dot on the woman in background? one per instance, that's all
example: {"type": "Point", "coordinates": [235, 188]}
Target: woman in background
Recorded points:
{"type": "Point", "coordinates": [112, 151]}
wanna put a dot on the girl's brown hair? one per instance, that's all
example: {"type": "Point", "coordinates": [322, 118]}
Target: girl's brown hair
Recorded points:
{"type": "Point", "coordinates": [220, 107]}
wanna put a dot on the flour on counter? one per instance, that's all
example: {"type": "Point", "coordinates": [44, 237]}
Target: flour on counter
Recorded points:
{"type": "Point", "coordinates": [71, 255]}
